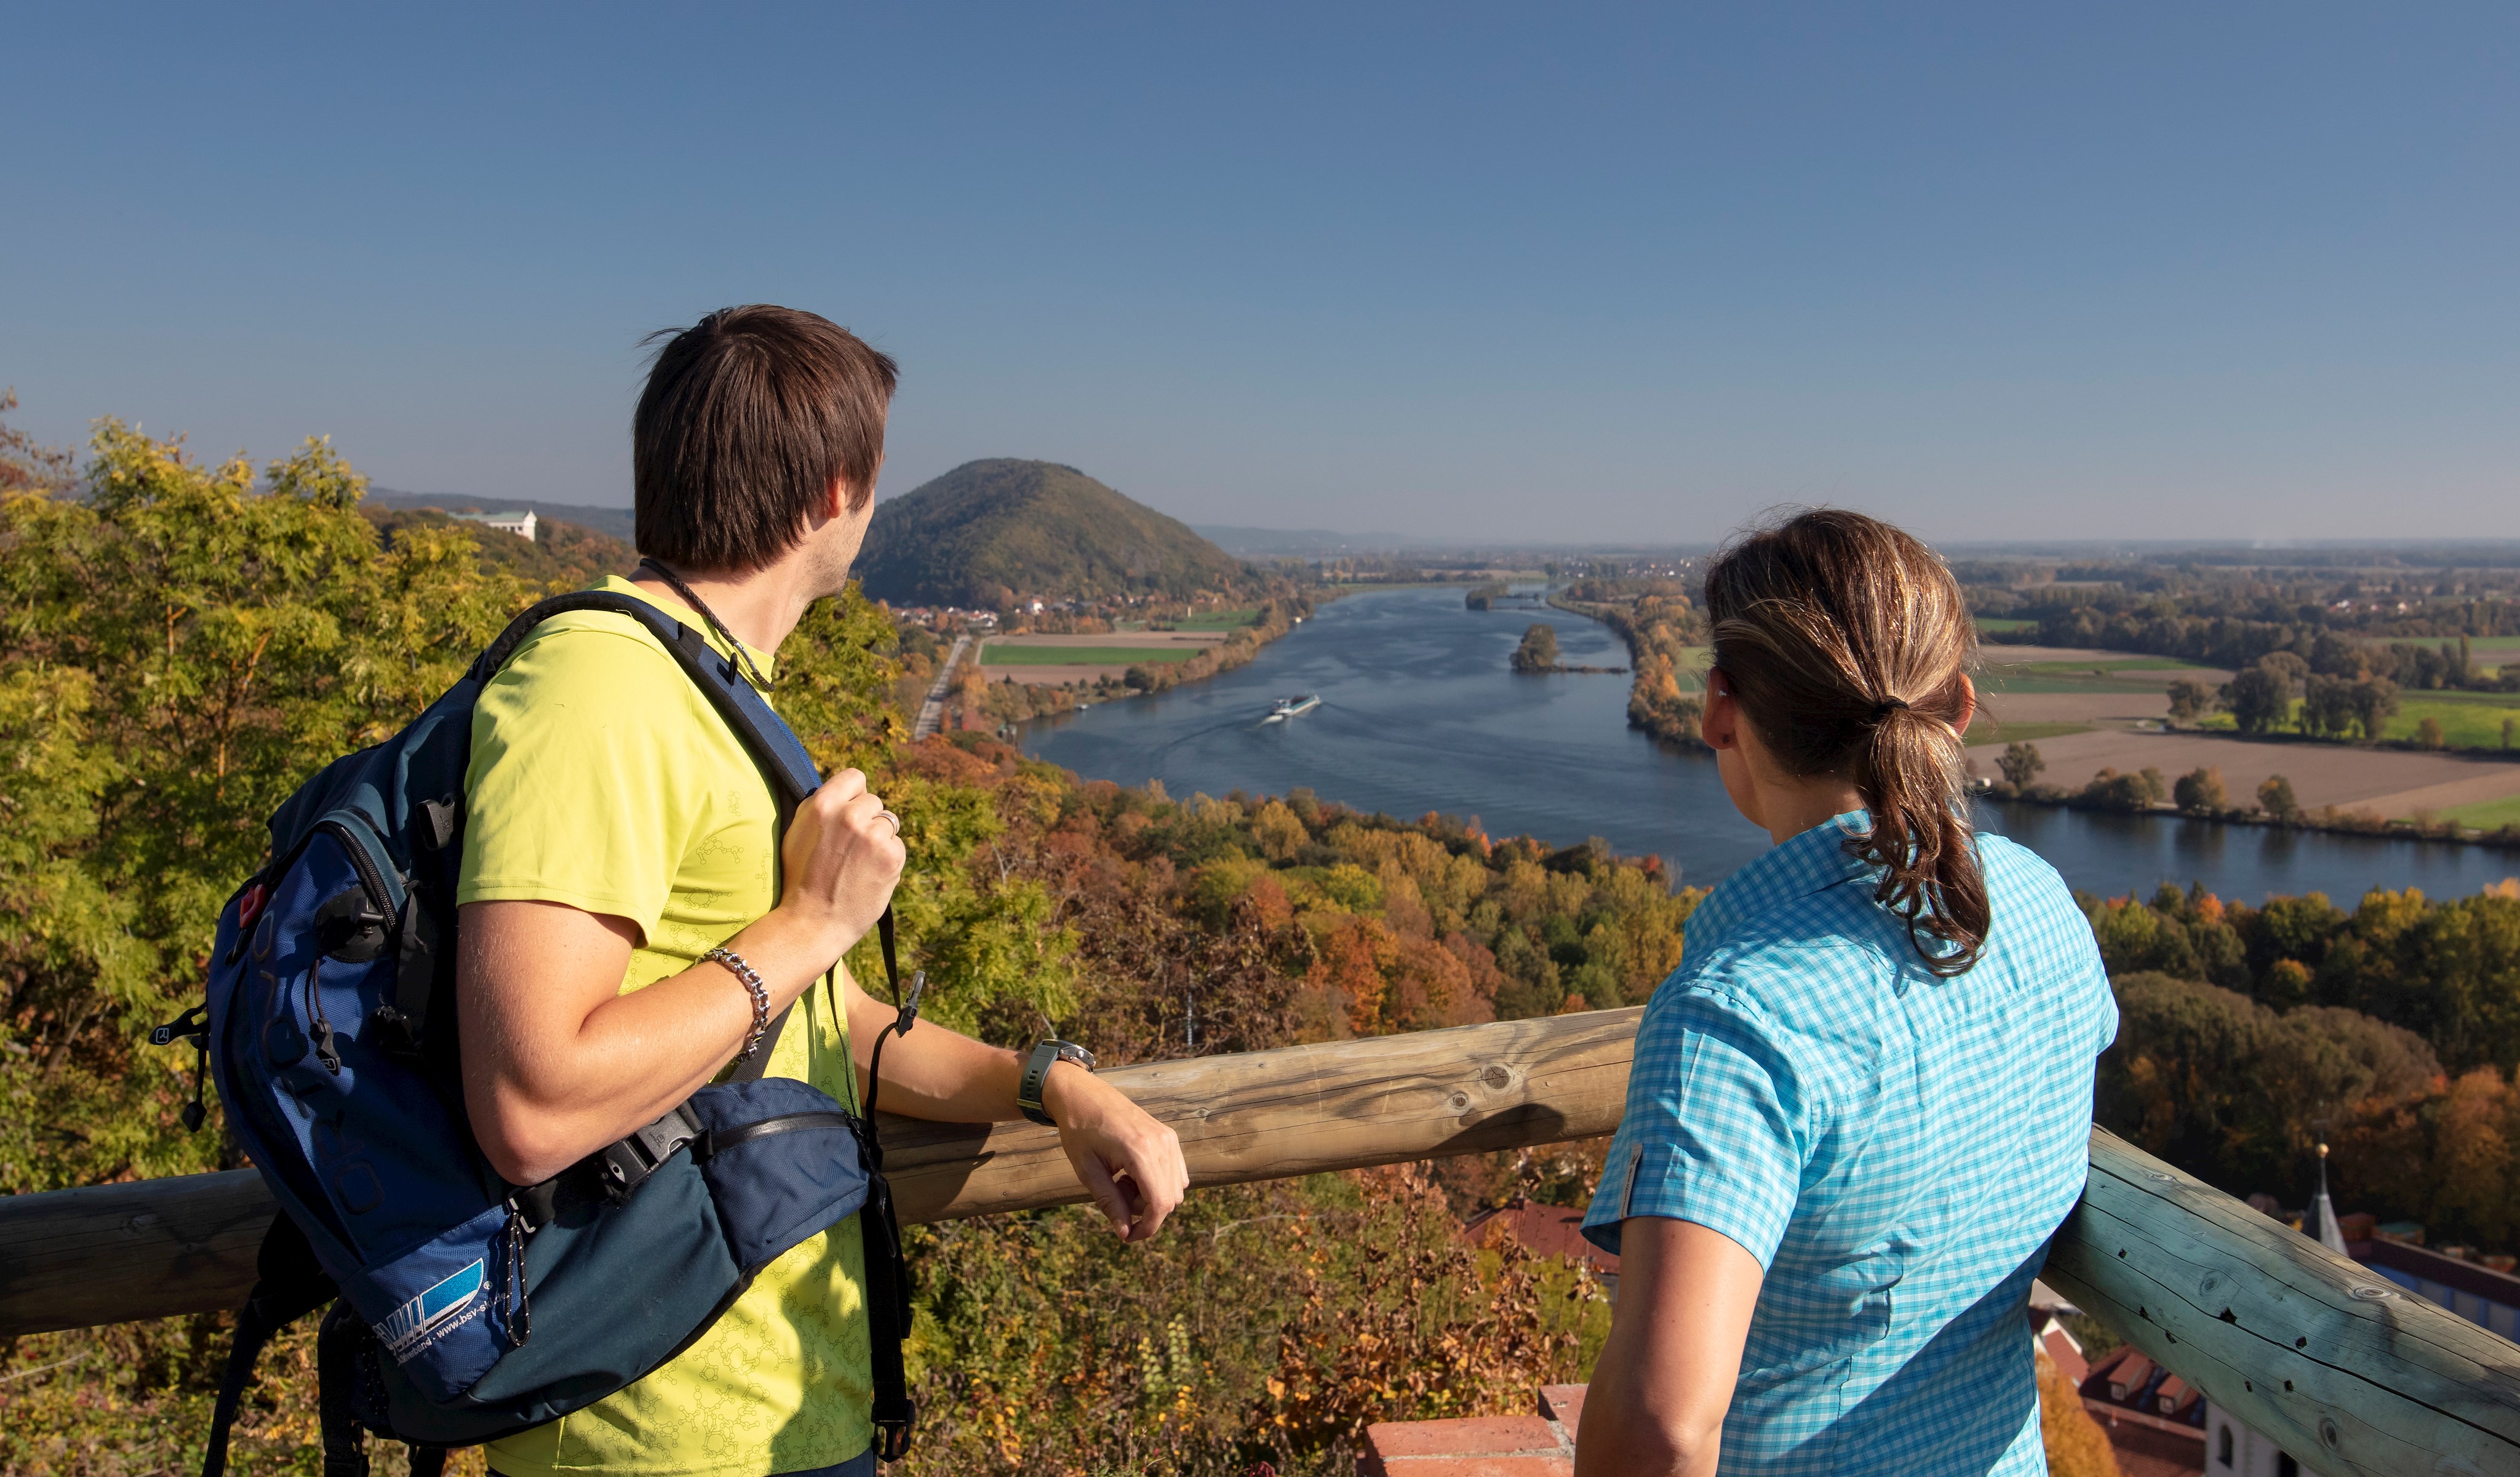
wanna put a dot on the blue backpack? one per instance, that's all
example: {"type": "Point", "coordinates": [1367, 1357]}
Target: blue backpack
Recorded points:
{"type": "Point", "coordinates": [467, 1308]}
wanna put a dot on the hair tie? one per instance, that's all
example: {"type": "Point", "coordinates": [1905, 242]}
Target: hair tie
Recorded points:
{"type": "Point", "coordinates": [1882, 710]}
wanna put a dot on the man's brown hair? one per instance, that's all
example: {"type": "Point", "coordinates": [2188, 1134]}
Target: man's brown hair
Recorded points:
{"type": "Point", "coordinates": [747, 416]}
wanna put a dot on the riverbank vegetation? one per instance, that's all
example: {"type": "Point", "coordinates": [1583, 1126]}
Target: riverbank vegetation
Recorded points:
{"type": "Point", "coordinates": [1665, 633]}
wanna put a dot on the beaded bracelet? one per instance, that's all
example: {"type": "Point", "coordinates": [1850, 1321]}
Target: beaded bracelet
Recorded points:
{"type": "Point", "coordinates": [751, 980]}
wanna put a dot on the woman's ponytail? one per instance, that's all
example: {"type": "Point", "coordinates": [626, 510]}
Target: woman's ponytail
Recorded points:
{"type": "Point", "coordinates": [1911, 774]}
{"type": "Point", "coordinates": [1847, 643]}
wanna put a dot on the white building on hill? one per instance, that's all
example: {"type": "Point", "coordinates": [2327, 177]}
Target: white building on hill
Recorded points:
{"type": "Point", "coordinates": [521, 524]}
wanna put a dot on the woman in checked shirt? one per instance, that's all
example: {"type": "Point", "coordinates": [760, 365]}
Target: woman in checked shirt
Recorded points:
{"type": "Point", "coordinates": [1861, 1105]}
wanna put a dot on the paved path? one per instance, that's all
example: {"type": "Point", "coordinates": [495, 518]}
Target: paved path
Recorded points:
{"type": "Point", "coordinates": [931, 713]}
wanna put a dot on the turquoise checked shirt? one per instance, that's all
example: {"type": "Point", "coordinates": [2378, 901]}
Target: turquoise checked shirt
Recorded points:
{"type": "Point", "coordinates": [1895, 1149]}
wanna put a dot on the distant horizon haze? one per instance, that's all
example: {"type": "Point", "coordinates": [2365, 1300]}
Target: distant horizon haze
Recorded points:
{"type": "Point", "coordinates": [1327, 543]}
{"type": "Point", "coordinates": [2235, 274]}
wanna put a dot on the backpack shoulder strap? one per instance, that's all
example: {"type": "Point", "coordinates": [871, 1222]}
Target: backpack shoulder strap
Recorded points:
{"type": "Point", "coordinates": [773, 744]}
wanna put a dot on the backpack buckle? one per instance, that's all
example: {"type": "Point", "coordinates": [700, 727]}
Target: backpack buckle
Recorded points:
{"type": "Point", "coordinates": [894, 1432]}
{"type": "Point", "coordinates": [394, 1031]}
{"type": "Point", "coordinates": [625, 1164]}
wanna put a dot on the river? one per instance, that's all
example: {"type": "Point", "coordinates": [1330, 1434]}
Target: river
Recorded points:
{"type": "Point", "coordinates": [1419, 713]}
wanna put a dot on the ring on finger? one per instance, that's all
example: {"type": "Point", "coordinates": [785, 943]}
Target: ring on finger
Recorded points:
{"type": "Point", "coordinates": [886, 815]}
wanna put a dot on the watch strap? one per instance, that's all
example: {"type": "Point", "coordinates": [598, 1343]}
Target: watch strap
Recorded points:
{"type": "Point", "coordinates": [1047, 1053]}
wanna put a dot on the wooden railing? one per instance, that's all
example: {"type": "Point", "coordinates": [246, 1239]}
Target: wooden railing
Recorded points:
{"type": "Point", "coordinates": [2340, 1367]}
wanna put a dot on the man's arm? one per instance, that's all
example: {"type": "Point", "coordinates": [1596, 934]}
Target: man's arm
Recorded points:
{"type": "Point", "coordinates": [1665, 1377]}
{"type": "Point", "coordinates": [1131, 1161]}
{"type": "Point", "coordinates": [558, 1062]}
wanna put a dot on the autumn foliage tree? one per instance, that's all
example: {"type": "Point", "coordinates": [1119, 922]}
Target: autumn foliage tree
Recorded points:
{"type": "Point", "coordinates": [182, 647]}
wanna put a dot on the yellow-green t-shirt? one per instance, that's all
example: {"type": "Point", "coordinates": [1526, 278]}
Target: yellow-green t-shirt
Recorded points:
{"type": "Point", "coordinates": [603, 779]}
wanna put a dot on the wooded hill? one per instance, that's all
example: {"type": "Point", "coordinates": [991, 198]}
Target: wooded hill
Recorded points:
{"type": "Point", "coordinates": [561, 556]}
{"type": "Point", "coordinates": [611, 522]}
{"type": "Point", "coordinates": [992, 531]}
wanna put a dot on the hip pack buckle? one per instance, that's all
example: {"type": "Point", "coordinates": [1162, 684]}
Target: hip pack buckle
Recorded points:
{"type": "Point", "coordinates": [626, 1163]}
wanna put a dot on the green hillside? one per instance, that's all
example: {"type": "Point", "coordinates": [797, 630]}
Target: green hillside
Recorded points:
{"type": "Point", "coordinates": [563, 556]}
{"type": "Point", "coordinates": [988, 532]}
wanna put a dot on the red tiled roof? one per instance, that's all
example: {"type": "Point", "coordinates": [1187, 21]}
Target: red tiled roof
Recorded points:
{"type": "Point", "coordinates": [2058, 1345]}
{"type": "Point", "coordinates": [2126, 1368]}
{"type": "Point", "coordinates": [1544, 1229]}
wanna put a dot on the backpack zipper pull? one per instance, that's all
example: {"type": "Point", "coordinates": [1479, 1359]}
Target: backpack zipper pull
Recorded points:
{"type": "Point", "coordinates": [194, 1025]}
{"type": "Point", "coordinates": [520, 1311]}
{"type": "Point", "coordinates": [327, 1050]}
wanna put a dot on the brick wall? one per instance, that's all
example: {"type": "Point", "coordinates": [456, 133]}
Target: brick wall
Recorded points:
{"type": "Point", "coordinates": [1539, 1445]}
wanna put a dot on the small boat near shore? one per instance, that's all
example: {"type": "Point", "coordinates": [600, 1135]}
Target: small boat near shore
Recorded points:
{"type": "Point", "coordinates": [1292, 707]}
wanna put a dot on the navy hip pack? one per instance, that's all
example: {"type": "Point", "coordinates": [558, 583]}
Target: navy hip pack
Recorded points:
{"type": "Point", "coordinates": [467, 1308]}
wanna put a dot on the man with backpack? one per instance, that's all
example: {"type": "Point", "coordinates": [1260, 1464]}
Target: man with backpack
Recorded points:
{"type": "Point", "coordinates": [631, 921]}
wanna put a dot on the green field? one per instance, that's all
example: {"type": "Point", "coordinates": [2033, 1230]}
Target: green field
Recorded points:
{"type": "Point", "coordinates": [2468, 720]}
{"type": "Point", "coordinates": [2015, 680]}
{"type": "Point", "coordinates": [997, 656]}
{"type": "Point", "coordinates": [2477, 646]}
{"type": "Point", "coordinates": [2003, 623]}
{"type": "Point", "coordinates": [2487, 816]}
{"type": "Point", "coordinates": [1218, 620]}
{"type": "Point", "coordinates": [2104, 665]}
{"type": "Point", "coordinates": [1984, 729]}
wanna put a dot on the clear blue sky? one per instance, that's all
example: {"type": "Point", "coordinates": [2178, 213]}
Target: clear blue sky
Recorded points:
{"type": "Point", "coordinates": [1995, 271]}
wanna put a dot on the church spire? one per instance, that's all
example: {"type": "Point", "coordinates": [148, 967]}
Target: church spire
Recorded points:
{"type": "Point", "coordinates": [2331, 1234]}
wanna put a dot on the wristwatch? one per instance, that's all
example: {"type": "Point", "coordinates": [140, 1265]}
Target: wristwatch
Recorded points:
{"type": "Point", "coordinates": [1049, 1054]}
